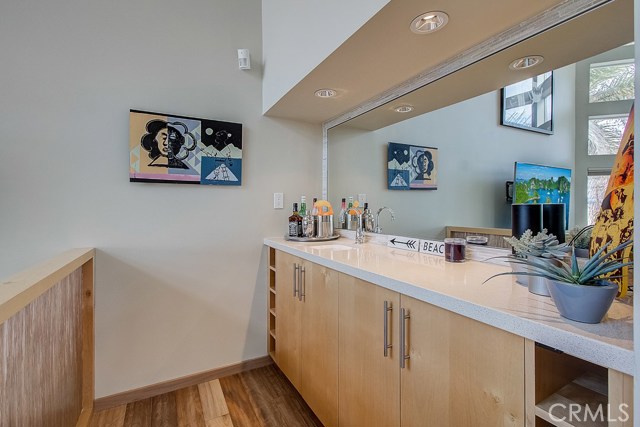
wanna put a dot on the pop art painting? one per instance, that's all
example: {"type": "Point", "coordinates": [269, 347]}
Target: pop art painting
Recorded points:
{"type": "Point", "coordinates": [184, 150]}
{"type": "Point", "coordinates": [412, 167]}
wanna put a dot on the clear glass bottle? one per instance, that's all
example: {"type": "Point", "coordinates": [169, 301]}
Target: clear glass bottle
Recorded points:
{"type": "Point", "coordinates": [314, 215]}
{"type": "Point", "coordinates": [343, 214]}
{"type": "Point", "coordinates": [348, 218]}
{"type": "Point", "coordinates": [307, 225]}
{"type": "Point", "coordinates": [303, 206]}
{"type": "Point", "coordinates": [295, 223]}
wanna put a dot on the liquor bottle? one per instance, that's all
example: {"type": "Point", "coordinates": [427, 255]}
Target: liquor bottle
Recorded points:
{"type": "Point", "coordinates": [295, 223]}
{"type": "Point", "coordinates": [303, 206]}
{"type": "Point", "coordinates": [343, 214]}
{"type": "Point", "coordinates": [307, 225]}
{"type": "Point", "coordinates": [314, 215]}
{"type": "Point", "coordinates": [349, 223]}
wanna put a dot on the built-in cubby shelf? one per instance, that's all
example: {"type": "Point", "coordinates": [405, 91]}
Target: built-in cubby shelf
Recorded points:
{"type": "Point", "coordinates": [586, 397]}
{"type": "Point", "coordinates": [565, 391]}
{"type": "Point", "coordinates": [271, 321]}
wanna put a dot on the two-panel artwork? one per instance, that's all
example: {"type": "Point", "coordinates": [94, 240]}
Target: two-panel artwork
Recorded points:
{"type": "Point", "coordinates": [411, 167]}
{"type": "Point", "coordinates": [184, 150]}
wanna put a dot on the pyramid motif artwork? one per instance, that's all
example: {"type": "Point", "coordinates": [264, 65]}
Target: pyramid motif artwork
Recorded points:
{"type": "Point", "coordinates": [185, 150]}
{"type": "Point", "coordinates": [222, 173]}
{"type": "Point", "coordinates": [411, 167]}
{"type": "Point", "coordinates": [399, 181]}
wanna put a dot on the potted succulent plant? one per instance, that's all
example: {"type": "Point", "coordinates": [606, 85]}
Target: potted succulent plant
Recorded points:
{"type": "Point", "coordinates": [580, 240]}
{"type": "Point", "coordinates": [582, 293]}
{"type": "Point", "coordinates": [542, 245]}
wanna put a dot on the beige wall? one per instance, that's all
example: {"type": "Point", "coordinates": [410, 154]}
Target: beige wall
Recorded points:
{"type": "Point", "coordinates": [180, 269]}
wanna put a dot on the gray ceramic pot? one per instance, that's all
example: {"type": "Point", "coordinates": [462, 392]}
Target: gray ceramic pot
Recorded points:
{"type": "Point", "coordinates": [538, 285]}
{"type": "Point", "coordinates": [586, 304]}
{"type": "Point", "coordinates": [520, 268]}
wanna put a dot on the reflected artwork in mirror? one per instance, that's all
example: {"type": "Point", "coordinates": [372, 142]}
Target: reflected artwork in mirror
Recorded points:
{"type": "Point", "coordinates": [475, 153]}
{"type": "Point", "coordinates": [411, 167]}
{"type": "Point", "coordinates": [528, 104]}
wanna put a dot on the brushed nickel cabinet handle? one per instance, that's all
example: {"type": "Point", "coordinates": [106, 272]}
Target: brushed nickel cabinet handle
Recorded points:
{"type": "Point", "coordinates": [299, 281]}
{"type": "Point", "coordinates": [295, 279]}
{"type": "Point", "coordinates": [303, 285]}
{"type": "Point", "coordinates": [387, 309]}
{"type": "Point", "coordinates": [404, 318]}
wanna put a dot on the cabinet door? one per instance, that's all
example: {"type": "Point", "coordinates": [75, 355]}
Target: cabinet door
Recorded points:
{"type": "Point", "coordinates": [288, 309]}
{"type": "Point", "coordinates": [319, 350]}
{"type": "Point", "coordinates": [460, 372]}
{"type": "Point", "coordinates": [368, 382]}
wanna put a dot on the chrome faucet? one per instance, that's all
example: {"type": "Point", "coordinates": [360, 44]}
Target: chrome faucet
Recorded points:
{"type": "Point", "coordinates": [393, 217]}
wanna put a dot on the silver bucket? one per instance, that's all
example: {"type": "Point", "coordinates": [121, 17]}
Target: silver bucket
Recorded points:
{"type": "Point", "coordinates": [325, 226]}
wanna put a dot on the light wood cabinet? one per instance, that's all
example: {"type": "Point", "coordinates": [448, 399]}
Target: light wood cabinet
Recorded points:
{"type": "Point", "coordinates": [288, 311]}
{"type": "Point", "coordinates": [460, 372]}
{"type": "Point", "coordinates": [307, 330]}
{"type": "Point", "coordinates": [369, 381]}
{"type": "Point", "coordinates": [319, 347]}
{"type": "Point", "coordinates": [362, 355]}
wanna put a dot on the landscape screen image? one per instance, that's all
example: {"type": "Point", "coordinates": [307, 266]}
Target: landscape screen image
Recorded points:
{"type": "Point", "coordinates": [542, 184]}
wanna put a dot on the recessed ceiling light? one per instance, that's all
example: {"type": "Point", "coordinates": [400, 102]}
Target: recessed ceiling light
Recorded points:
{"type": "Point", "coordinates": [326, 93]}
{"type": "Point", "coordinates": [429, 22]}
{"type": "Point", "coordinates": [403, 109]}
{"type": "Point", "coordinates": [526, 62]}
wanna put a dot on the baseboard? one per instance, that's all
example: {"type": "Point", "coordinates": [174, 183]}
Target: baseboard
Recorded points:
{"type": "Point", "coordinates": [178, 383]}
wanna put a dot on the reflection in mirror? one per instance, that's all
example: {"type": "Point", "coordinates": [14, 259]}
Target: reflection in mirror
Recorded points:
{"type": "Point", "coordinates": [476, 155]}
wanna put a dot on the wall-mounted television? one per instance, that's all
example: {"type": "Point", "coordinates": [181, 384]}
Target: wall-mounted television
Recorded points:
{"type": "Point", "coordinates": [542, 184]}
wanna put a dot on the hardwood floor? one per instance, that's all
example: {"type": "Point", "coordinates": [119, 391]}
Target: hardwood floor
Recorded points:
{"type": "Point", "coordinates": [262, 397]}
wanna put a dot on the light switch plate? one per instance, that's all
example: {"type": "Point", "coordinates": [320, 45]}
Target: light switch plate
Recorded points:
{"type": "Point", "coordinates": [278, 200]}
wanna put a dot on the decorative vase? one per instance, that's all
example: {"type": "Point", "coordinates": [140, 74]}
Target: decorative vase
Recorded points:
{"type": "Point", "coordinates": [520, 268]}
{"type": "Point", "coordinates": [586, 304]}
{"type": "Point", "coordinates": [538, 285]}
{"type": "Point", "coordinates": [581, 253]}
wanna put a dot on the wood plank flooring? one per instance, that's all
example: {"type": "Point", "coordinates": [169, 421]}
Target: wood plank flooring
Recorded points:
{"type": "Point", "coordinates": [261, 397]}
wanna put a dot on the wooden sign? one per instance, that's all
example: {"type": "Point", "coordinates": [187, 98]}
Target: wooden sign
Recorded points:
{"type": "Point", "coordinates": [432, 247]}
{"type": "Point", "coordinates": [405, 243]}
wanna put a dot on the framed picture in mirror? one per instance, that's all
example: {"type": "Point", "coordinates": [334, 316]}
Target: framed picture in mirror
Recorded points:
{"type": "Point", "coordinates": [412, 167]}
{"type": "Point", "coordinates": [528, 104]}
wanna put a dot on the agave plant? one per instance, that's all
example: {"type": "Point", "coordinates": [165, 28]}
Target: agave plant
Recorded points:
{"type": "Point", "coordinates": [592, 273]}
{"type": "Point", "coordinates": [541, 245]}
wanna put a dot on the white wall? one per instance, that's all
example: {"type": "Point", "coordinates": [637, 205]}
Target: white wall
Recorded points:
{"type": "Point", "coordinates": [314, 29]}
{"type": "Point", "coordinates": [180, 284]}
{"type": "Point", "coordinates": [476, 157]}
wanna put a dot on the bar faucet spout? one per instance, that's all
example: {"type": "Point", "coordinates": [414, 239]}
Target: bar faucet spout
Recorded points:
{"type": "Point", "coordinates": [378, 230]}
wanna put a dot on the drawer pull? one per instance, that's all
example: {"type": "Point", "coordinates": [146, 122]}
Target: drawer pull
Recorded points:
{"type": "Point", "coordinates": [404, 319]}
{"type": "Point", "coordinates": [387, 309]}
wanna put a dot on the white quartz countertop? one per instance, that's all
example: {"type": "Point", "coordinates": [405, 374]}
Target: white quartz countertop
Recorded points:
{"type": "Point", "coordinates": [458, 287]}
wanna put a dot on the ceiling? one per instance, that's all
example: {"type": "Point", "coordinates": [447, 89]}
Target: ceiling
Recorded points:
{"type": "Point", "coordinates": [577, 39]}
{"type": "Point", "coordinates": [384, 52]}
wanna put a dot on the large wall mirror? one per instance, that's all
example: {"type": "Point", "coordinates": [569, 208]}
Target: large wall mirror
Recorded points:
{"type": "Point", "coordinates": [460, 116]}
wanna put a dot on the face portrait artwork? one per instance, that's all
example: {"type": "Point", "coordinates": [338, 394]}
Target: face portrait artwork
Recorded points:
{"type": "Point", "coordinates": [166, 143]}
{"type": "Point", "coordinates": [184, 150]}
{"type": "Point", "coordinates": [422, 164]}
{"type": "Point", "coordinates": [411, 167]}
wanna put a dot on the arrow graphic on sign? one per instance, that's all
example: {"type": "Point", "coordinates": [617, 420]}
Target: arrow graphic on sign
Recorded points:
{"type": "Point", "coordinates": [409, 243]}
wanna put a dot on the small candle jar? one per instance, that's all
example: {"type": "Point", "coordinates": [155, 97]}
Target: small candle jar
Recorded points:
{"type": "Point", "coordinates": [454, 249]}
